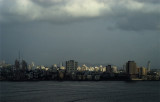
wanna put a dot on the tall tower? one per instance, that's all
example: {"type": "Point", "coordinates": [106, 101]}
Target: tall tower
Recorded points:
{"type": "Point", "coordinates": [148, 66]}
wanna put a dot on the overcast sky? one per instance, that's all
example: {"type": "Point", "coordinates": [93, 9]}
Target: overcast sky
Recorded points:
{"type": "Point", "coordinates": [88, 31]}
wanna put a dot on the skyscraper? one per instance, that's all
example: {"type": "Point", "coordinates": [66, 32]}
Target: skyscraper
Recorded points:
{"type": "Point", "coordinates": [131, 68]}
{"type": "Point", "coordinates": [71, 66]}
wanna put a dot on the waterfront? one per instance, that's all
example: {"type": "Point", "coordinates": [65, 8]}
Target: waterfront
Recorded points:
{"type": "Point", "coordinates": [80, 91]}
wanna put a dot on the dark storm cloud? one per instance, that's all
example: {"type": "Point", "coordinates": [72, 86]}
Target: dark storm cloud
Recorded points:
{"type": "Point", "coordinates": [138, 21]}
{"type": "Point", "coordinates": [135, 15]}
{"type": "Point", "coordinates": [125, 14]}
{"type": "Point", "coordinates": [50, 3]}
{"type": "Point", "coordinates": [149, 1]}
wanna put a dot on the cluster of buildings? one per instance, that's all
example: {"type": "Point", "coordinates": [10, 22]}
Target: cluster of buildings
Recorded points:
{"type": "Point", "coordinates": [71, 71]}
{"type": "Point", "coordinates": [141, 73]}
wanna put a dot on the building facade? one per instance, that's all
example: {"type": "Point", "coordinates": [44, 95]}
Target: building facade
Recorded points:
{"type": "Point", "coordinates": [71, 66]}
{"type": "Point", "coordinates": [131, 68]}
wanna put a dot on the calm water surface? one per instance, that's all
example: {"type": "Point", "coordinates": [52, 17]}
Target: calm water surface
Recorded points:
{"type": "Point", "coordinates": [74, 91]}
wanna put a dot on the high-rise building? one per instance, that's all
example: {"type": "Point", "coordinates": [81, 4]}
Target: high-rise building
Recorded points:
{"type": "Point", "coordinates": [131, 68]}
{"type": "Point", "coordinates": [71, 66]}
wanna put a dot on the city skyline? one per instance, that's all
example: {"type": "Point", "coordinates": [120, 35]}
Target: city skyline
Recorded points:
{"type": "Point", "coordinates": [72, 71]}
{"type": "Point", "coordinates": [20, 58]}
{"type": "Point", "coordinates": [89, 31]}
{"type": "Point", "coordinates": [80, 64]}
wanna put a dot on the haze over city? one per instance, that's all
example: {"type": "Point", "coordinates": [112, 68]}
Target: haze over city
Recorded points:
{"type": "Point", "coordinates": [89, 31]}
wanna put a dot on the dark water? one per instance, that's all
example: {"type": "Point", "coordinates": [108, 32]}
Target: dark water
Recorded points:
{"type": "Point", "coordinates": [103, 91]}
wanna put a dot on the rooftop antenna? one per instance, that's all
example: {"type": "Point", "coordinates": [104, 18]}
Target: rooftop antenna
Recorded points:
{"type": "Point", "coordinates": [22, 56]}
{"type": "Point", "coordinates": [19, 55]}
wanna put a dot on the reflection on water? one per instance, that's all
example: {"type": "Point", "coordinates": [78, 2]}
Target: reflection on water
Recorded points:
{"type": "Point", "coordinates": [74, 91]}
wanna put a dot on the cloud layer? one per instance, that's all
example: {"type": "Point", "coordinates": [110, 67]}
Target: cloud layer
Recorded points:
{"type": "Point", "coordinates": [125, 14]}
